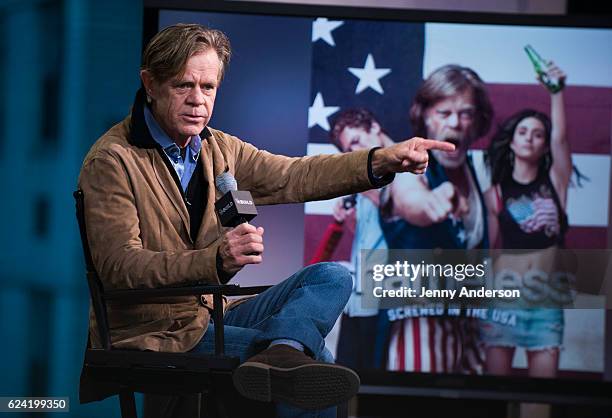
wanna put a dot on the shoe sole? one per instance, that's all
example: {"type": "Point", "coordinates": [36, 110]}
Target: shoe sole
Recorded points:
{"type": "Point", "coordinates": [310, 386]}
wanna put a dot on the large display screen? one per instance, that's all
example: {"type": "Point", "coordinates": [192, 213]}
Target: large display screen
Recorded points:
{"type": "Point", "coordinates": [529, 108]}
{"type": "Point", "coordinates": [363, 90]}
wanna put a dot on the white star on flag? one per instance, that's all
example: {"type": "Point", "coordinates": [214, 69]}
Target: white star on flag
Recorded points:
{"type": "Point", "coordinates": [369, 76]}
{"type": "Point", "coordinates": [318, 113]}
{"type": "Point", "coordinates": [322, 29]}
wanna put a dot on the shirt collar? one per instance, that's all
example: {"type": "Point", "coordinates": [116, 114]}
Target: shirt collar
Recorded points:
{"type": "Point", "coordinates": [164, 140]}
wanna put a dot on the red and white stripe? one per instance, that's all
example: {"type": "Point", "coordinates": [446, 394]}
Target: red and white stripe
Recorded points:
{"type": "Point", "coordinates": [434, 344]}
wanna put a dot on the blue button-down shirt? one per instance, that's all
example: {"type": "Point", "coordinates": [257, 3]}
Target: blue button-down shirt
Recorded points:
{"type": "Point", "coordinates": [184, 167]}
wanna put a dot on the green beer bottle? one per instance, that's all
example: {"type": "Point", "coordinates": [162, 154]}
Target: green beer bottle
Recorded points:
{"type": "Point", "coordinates": [540, 65]}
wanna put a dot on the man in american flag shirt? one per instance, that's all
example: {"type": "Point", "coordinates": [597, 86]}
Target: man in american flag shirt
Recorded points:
{"type": "Point", "coordinates": [444, 208]}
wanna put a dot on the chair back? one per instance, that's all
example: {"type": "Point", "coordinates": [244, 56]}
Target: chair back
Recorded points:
{"type": "Point", "coordinates": [96, 289]}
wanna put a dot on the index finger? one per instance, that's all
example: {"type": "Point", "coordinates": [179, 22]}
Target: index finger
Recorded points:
{"type": "Point", "coordinates": [427, 144]}
{"type": "Point", "coordinates": [245, 228]}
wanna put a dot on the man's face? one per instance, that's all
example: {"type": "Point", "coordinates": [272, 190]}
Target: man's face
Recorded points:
{"type": "Point", "coordinates": [452, 120]}
{"type": "Point", "coordinates": [356, 138]}
{"type": "Point", "coordinates": [183, 105]}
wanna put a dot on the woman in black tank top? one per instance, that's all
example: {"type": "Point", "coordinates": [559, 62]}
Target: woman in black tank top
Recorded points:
{"type": "Point", "coordinates": [521, 203]}
{"type": "Point", "coordinates": [531, 165]}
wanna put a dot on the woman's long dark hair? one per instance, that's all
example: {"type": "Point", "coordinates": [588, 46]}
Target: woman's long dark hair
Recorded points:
{"type": "Point", "coordinates": [500, 156]}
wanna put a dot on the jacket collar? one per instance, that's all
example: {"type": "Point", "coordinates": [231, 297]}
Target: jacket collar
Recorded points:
{"type": "Point", "coordinates": [139, 132]}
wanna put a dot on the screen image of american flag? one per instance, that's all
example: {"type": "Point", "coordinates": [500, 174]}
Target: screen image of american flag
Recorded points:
{"type": "Point", "coordinates": [292, 80]}
{"type": "Point", "coordinates": [378, 66]}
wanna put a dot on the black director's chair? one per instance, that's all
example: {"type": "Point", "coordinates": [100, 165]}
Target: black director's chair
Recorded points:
{"type": "Point", "coordinates": [204, 380]}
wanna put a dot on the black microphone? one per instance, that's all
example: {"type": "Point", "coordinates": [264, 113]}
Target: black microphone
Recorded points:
{"type": "Point", "coordinates": [236, 206]}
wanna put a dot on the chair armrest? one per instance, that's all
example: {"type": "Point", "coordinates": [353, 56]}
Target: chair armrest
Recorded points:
{"type": "Point", "coordinates": [140, 295]}
{"type": "Point", "coordinates": [249, 290]}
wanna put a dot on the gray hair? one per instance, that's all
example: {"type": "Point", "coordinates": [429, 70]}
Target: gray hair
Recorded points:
{"type": "Point", "coordinates": [166, 55]}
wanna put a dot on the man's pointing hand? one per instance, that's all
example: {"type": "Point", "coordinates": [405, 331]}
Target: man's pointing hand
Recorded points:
{"type": "Point", "coordinates": [410, 155]}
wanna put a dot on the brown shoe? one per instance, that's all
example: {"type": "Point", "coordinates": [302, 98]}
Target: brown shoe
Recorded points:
{"type": "Point", "coordinates": [283, 374]}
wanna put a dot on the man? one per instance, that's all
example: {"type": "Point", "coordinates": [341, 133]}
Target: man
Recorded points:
{"type": "Point", "coordinates": [149, 195]}
{"type": "Point", "coordinates": [357, 129]}
{"type": "Point", "coordinates": [442, 209]}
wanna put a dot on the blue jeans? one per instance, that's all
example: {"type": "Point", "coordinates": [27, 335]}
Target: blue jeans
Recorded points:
{"type": "Point", "coordinates": [533, 329]}
{"type": "Point", "coordinates": [303, 308]}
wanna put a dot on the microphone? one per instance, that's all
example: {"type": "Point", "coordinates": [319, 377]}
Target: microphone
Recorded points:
{"type": "Point", "coordinates": [236, 206]}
